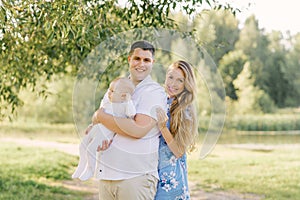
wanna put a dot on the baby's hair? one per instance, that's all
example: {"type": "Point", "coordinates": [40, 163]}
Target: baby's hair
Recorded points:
{"type": "Point", "coordinates": [124, 84]}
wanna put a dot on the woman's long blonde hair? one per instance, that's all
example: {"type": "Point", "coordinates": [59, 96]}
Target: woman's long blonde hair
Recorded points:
{"type": "Point", "coordinates": [184, 124]}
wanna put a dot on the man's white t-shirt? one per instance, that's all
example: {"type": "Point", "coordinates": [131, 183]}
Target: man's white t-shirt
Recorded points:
{"type": "Point", "coordinates": [128, 157]}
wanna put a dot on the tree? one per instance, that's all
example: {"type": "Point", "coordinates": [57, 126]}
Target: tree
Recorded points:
{"type": "Point", "coordinates": [230, 66]}
{"type": "Point", "coordinates": [43, 38]}
{"type": "Point", "coordinates": [56, 108]}
{"type": "Point", "coordinates": [251, 99]}
{"type": "Point", "coordinates": [292, 73]}
{"type": "Point", "coordinates": [217, 31]}
{"type": "Point", "coordinates": [267, 56]}
{"type": "Point", "coordinates": [274, 82]}
{"type": "Point", "coordinates": [254, 44]}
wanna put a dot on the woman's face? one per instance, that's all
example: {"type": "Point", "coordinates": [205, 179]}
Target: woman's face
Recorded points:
{"type": "Point", "coordinates": [174, 82]}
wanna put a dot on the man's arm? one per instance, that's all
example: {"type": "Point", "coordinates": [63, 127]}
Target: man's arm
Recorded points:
{"type": "Point", "coordinates": [136, 128]}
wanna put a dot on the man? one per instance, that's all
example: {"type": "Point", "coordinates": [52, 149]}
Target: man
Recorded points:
{"type": "Point", "coordinates": [128, 168]}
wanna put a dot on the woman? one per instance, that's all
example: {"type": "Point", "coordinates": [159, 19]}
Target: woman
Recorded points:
{"type": "Point", "coordinates": [178, 128]}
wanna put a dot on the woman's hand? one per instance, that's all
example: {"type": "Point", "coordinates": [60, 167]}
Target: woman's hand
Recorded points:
{"type": "Point", "coordinates": [162, 118]}
{"type": "Point", "coordinates": [104, 146]}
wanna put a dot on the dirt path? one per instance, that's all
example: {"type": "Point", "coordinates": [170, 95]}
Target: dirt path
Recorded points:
{"type": "Point", "coordinates": [196, 194]}
{"type": "Point", "coordinates": [91, 186]}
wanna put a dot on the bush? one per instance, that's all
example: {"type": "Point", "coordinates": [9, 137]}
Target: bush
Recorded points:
{"type": "Point", "coordinates": [276, 122]}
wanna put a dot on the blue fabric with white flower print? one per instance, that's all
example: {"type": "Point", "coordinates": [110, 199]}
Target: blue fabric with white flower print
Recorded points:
{"type": "Point", "coordinates": [173, 183]}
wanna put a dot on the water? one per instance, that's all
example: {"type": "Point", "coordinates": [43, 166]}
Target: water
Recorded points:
{"type": "Point", "coordinates": [254, 137]}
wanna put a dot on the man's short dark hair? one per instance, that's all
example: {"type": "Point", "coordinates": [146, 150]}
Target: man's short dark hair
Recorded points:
{"type": "Point", "coordinates": [143, 44]}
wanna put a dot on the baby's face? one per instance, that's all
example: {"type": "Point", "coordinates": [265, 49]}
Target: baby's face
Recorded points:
{"type": "Point", "coordinates": [114, 93]}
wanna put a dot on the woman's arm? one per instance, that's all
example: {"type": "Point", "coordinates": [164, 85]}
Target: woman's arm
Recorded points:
{"type": "Point", "coordinates": [172, 144]}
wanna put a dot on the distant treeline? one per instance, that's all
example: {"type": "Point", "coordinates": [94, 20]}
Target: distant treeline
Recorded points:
{"type": "Point", "coordinates": [260, 73]}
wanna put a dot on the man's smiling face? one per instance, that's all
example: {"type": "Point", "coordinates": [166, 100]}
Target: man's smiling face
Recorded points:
{"type": "Point", "coordinates": [140, 64]}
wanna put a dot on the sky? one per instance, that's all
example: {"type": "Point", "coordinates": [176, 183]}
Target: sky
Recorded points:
{"type": "Point", "coordinates": [272, 14]}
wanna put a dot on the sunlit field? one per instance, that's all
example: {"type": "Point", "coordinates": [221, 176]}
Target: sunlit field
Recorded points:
{"type": "Point", "coordinates": [264, 164]}
{"type": "Point", "coordinates": [270, 171]}
{"type": "Point", "coordinates": [35, 173]}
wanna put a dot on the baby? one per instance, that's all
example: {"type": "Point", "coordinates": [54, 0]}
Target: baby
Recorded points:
{"type": "Point", "coordinates": [120, 105]}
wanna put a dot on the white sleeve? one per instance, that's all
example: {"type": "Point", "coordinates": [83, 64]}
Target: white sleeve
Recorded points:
{"type": "Point", "coordinates": [130, 109]}
{"type": "Point", "coordinates": [150, 101]}
{"type": "Point", "coordinates": [104, 100]}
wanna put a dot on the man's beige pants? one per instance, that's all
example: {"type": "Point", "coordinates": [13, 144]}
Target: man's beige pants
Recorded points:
{"type": "Point", "coordinates": [137, 188]}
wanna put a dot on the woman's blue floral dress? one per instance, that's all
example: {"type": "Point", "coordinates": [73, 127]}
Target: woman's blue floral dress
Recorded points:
{"type": "Point", "coordinates": [173, 183]}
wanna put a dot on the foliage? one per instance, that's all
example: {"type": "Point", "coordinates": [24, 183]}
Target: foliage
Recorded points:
{"type": "Point", "coordinates": [292, 72]}
{"type": "Point", "coordinates": [37, 47]}
{"type": "Point", "coordinates": [40, 39]}
{"type": "Point", "coordinates": [217, 31]}
{"type": "Point", "coordinates": [230, 66]}
{"type": "Point", "coordinates": [273, 79]}
{"type": "Point", "coordinates": [251, 99]}
{"type": "Point", "coordinates": [269, 66]}
{"type": "Point", "coordinates": [276, 122]}
{"type": "Point", "coordinates": [56, 107]}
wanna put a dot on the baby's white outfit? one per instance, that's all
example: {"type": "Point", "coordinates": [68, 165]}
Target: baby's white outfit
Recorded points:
{"type": "Point", "coordinates": [90, 142]}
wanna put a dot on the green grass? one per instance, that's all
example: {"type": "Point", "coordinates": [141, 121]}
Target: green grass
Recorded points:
{"type": "Point", "coordinates": [35, 173]}
{"type": "Point", "coordinates": [272, 174]}
{"type": "Point", "coordinates": [29, 173]}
